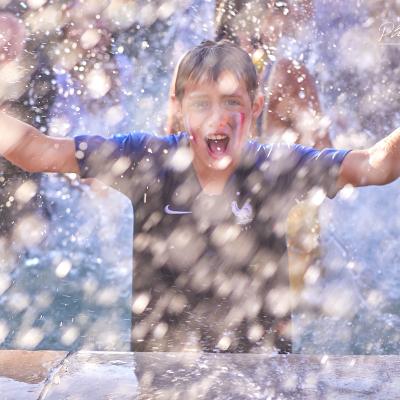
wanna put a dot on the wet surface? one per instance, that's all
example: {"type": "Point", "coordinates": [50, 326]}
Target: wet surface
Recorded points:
{"type": "Point", "coordinates": [248, 376]}
{"type": "Point", "coordinates": [89, 375]}
{"type": "Point", "coordinates": [24, 374]}
{"type": "Point", "coordinates": [99, 375]}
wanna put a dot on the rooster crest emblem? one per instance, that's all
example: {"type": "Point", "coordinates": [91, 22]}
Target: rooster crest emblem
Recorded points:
{"type": "Point", "coordinates": [243, 215]}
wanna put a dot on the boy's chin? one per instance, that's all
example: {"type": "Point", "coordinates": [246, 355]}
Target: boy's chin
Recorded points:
{"type": "Point", "coordinates": [221, 163]}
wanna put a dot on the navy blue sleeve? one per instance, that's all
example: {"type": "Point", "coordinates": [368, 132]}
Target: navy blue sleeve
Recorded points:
{"type": "Point", "coordinates": [117, 160]}
{"type": "Point", "coordinates": [320, 167]}
{"type": "Point", "coordinates": [299, 168]}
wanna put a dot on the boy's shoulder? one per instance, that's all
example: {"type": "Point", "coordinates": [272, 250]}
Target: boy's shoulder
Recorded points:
{"type": "Point", "coordinates": [281, 151]}
{"type": "Point", "coordinates": [282, 158]}
{"type": "Point", "coordinates": [259, 153]}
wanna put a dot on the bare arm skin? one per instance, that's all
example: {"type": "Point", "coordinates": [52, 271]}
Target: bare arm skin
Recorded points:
{"type": "Point", "coordinates": [29, 149]}
{"type": "Point", "coordinates": [378, 165]}
{"type": "Point", "coordinates": [294, 104]}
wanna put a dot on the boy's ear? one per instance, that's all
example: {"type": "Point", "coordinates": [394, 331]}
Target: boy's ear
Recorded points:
{"type": "Point", "coordinates": [258, 105]}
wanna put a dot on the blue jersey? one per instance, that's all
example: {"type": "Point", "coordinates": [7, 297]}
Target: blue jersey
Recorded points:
{"type": "Point", "coordinates": [210, 272]}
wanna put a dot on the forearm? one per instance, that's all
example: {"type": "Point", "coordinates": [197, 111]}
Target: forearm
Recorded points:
{"type": "Point", "coordinates": [15, 136]}
{"type": "Point", "coordinates": [31, 150]}
{"type": "Point", "coordinates": [378, 165]}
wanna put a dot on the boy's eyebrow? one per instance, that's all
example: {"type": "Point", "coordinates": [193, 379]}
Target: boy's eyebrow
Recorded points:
{"type": "Point", "coordinates": [233, 95]}
{"type": "Point", "coordinates": [197, 94]}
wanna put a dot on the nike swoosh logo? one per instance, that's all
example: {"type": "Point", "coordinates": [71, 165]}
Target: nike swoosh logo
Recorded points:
{"type": "Point", "coordinates": [168, 210]}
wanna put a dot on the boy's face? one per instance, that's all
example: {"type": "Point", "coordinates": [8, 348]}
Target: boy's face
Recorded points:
{"type": "Point", "coordinates": [218, 117]}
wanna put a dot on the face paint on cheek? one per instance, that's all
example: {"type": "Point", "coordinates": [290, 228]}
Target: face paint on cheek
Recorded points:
{"type": "Point", "coordinates": [239, 131]}
{"type": "Point", "coordinates": [242, 118]}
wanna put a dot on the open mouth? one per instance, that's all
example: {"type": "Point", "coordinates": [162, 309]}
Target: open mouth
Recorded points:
{"type": "Point", "coordinates": [217, 144]}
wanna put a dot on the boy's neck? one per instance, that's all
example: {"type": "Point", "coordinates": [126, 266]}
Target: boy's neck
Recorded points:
{"type": "Point", "coordinates": [212, 181]}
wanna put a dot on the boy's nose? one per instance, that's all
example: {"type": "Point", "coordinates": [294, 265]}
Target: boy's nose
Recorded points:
{"type": "Point", "coordinates": [219, 118]}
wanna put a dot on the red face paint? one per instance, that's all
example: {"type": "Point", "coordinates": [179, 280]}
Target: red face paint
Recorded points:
{"type": "Point", "coordinates": [242, 116]}
{"type": "Point", "coordinates": [241, 123]}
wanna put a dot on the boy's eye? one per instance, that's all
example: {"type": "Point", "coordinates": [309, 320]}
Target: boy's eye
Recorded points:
{"type": "Point", "coordinates": [200, 104]}
{"type": "Point", "coordinates": [233, 102]}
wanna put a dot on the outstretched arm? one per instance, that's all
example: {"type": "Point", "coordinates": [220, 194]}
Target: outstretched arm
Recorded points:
{"type": "Point", "coordinates": [377, 165]}
{"type": "Point", "coordinates": [29, 149]}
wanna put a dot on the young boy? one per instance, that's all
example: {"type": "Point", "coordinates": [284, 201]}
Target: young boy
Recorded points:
{"type": "Point", "coordinates": [210, 206]}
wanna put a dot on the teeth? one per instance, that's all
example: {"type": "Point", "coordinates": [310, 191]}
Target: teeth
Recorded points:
{"type": "Point", "coordinates": [216, 137]}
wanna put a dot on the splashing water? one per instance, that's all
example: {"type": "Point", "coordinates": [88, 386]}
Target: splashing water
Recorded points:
{"type": "Point", "coordinates": [67, 283]}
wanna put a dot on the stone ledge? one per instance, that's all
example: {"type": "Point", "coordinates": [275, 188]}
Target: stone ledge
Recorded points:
{"type": "Point", "coordinates": [104, 375]}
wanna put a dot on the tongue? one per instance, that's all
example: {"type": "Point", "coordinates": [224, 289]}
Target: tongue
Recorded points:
{"type": "Point", "coordinates": [218, 146]}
